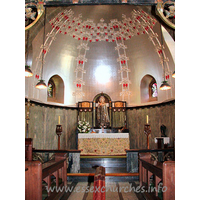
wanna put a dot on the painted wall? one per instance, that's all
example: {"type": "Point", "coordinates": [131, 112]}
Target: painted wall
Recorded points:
{"type": "Point", "coordinates": [63, 52]}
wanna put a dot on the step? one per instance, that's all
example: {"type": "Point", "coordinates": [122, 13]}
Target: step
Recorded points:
{"type": "Point", "coordinates": [104, 162]}
{"type": "Point", "coordinates": [107, 174]}
{"type": "Point", "coordinates": [107, 169]}
{"type": "Point", "coordinates": [110, 177]}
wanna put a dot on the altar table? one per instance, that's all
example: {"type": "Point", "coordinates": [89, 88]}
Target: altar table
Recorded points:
{"type": "Point", "coordinates": [103, 143]}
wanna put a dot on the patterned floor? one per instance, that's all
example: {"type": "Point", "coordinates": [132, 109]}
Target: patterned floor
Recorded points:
{"type": "Point", "coordinates": [114, 190]}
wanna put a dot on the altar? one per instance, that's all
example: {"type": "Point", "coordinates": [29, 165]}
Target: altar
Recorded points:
{"type": "Point", "coordinates": [103, 143]}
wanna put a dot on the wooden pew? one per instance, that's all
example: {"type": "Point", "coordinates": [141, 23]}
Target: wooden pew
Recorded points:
{"type": "Point", "coordinates": [36, 172]}
{"type": "Point", "coordinates": [162, 171]}
{"type": "Point", "coordinates": [59, 170]}
{"type": "Point", "coordinates": [33, 180]}
{"type": "Point", "coordinates": [99, 184]}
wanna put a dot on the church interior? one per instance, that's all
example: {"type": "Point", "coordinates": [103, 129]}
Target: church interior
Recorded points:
{"type": "Point", "coordinates": [99, 99]}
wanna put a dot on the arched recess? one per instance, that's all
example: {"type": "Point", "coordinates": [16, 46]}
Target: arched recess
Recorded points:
{"type": "Point", "coordinates": [55, 90]}
{"type": "Point", "coordinates": [107, 98]}
{"type": "Point", "coordinates": [95, 104]}
{"type": "Point", "coordinates": [148, 89]}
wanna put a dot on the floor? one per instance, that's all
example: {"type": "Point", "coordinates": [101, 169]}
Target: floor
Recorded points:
{"type": "Point", "coordinates": [117, 188]}
{"type": "Point", "coordinates": [114, 190]}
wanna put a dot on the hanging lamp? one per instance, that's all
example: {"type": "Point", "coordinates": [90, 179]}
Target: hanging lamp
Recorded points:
{"type": "Point", "coordinates": [164, 85]}
{"type": "Point", "coordinates": [41, 84]}
{"type": "Point", "coordinates": [173, 75]}
{"type": "Point", "coordinates": [28, 72]}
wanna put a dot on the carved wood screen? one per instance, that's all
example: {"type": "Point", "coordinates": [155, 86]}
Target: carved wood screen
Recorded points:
{"type": "Point", "coordinates": [118, 114]}
{"type": "Point", "coordinates": [87, 110]}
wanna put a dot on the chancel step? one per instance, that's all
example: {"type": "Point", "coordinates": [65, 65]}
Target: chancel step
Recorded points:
{"type": "Point", "coordinates": [112, 164]}
{"type": "Point", "coordinates": [107, 174]}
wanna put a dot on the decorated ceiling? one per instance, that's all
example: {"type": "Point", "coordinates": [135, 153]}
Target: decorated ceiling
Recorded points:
{"type": "Point", "coordinates": [86, 44]}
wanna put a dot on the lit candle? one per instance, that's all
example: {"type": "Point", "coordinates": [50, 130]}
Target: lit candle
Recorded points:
{"type": "Point", "coordinates": [147, 119]}
{"type": "Point", "coordinates": [58, 119]}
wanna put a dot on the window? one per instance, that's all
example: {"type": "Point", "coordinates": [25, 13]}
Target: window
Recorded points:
{"type": "Point", "coordinates": [55, 89]}
{"type": "Point", "coordinates": [154, 92]}
{"type": "Point", "coordinates": [51, 89]}
{"type": "Point", "coordinates": [148, 89]}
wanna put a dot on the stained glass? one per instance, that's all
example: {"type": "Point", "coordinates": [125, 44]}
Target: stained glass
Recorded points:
{"type": "Point", "coordinates": [154, 90]}
{"type": "Point", "coordinates": [50, 90]}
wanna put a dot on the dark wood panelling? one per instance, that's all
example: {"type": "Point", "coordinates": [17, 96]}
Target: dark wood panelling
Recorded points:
{"type": "Point", "coordinates": [159, 114]}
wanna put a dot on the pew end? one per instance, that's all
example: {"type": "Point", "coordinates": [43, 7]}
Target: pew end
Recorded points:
{"type": "Point", "coordinates": [33, 180]}
{"type": "Point", "coordinates": [169, 180]}
{"type": "Point", "coordinates": [164, 172]}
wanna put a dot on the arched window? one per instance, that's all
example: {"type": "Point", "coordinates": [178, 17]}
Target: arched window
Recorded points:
{"type": "Point", "coordinates": [55, 90]}
{"type": "Point", "coordinates": [148, 89]}
{"type": "Point", "coordinates": [153, 93]}
{"type": "Point", "coordinates": [51, 89]}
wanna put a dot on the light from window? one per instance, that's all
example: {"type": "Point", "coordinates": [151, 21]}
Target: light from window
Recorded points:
{"type": "Point", "coordinates": [154, 90]}
{"type": "Point", "coordinates": [50, 90]}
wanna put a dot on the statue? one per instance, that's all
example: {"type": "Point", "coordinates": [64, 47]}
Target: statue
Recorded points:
{"type": "Point", "coordinates": [102, 113]}
{"type": "Point", "coordinates": [163, 129]}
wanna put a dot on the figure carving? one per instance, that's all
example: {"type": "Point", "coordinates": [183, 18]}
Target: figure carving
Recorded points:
{"type": "Point", "coordinates": [102, 113]}
{"type": "Point", "coordinates": [163, 130]}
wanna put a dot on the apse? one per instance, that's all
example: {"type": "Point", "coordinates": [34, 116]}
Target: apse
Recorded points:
{"type": "Point", "coordinates": [103, 112]}
{"type": "Point", "coordinates": [101, 48]}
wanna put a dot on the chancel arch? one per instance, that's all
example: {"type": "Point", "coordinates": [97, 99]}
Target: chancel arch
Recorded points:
{"type": "Point", "coordinates": [148, 89]}
{"type": "Point", "coordinates": [55, 89]}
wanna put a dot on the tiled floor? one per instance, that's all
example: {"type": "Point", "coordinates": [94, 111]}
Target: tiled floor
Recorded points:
{"type": "Point", "coordinates": [114, 191]}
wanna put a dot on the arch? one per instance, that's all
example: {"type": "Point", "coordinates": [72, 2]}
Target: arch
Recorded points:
{"type": "Point", "coordinates": [55, 91]}
{"type": "Point", "coordinates": [148, 89]}
{"type": "Point", "coordinates": [107, 98]}
{"type": "Point", "coordinates": [95, 112]}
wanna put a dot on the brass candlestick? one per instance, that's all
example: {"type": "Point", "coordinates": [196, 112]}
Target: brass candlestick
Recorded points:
{"type": "Point", "coordinates": [59, 133]}
{"type": "Point", "coordinates": [147, 131]}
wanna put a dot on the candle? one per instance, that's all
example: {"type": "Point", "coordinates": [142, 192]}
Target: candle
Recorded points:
{"type": "Point", "coordinates": [58, 119]}
{"type": "Point", "coordinates": [147, 119]}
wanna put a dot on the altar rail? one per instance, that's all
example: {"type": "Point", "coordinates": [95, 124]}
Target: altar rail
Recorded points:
{"type": "Point", "coordinates": [164, 172]}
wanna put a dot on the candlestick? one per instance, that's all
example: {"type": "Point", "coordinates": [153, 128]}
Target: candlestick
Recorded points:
{"type": "Point", "coordinates": [59, 132]}
{"type": "Point", "coordinates": [58, 119]}
{"type": "Point", "coordinates": [147, 131]}
{"type": "Point", "coordinates": [147, 119]}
